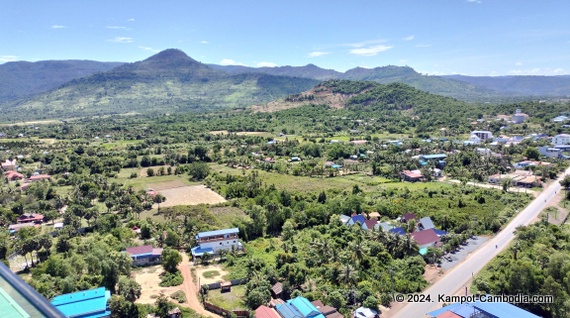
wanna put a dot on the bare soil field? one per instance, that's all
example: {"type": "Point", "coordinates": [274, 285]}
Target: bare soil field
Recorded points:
{"type": "Point", "coordinates": [159, 186]}
{"type": "Point", "coordinates": [189, 195]}
{"type": "Point", "coordinates": [148, 278]}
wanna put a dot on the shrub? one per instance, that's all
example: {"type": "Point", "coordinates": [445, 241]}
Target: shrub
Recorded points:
{"type": "Point", "coordinates": [179, 296]}
{"type": "Point", "coordinates": [171, 279]}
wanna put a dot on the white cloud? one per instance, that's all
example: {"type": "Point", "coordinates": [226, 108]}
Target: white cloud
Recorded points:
{"type": "Point", "coordinates": [57, 26]}
{"type": "Point", "coordinates": [266, 64]}
{"type": "Point", "coordinates": [230, 62]}
{"type": "Point", "coordinates": [371, 50]}
{"type": "Point", "coordinates": [116, 27]}
{"type": "Point", "coordinates": [204, 42]}
{"type": "Point", "coordinates": [408, 38]}
{"type": "Point", "coordinates": [518, 64]}
{"type": "Point", "coordinates": [473, 1]}
{"type": "Point", "coordinates": [121, 39]}
{"type": "Point", "coordinates": [423, 45]}
{"type": "Point", "coordinates": [130, 20]}
{"type": "Point", "coordinates": [146, 48]}
{"type": "Point", "coordinates": [318, 53]}
{"type": "Point", "coordinates": [8, 58]}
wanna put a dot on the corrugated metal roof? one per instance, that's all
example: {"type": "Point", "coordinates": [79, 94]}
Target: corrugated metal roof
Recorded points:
{"type": "Point", "coordinates": [305, 307]}
{"type": "Point", "coordinates": [234, 230]}
{"type": "Point", "coordinates": [139, 250]}
{"type": "Point", "coordinates": [86, 304]}
{"type": "Point", "coordinates": [288, 311]}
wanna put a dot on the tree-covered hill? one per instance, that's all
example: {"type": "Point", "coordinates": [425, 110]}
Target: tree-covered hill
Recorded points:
{"type": "Point", "coordinates": [167, 82]}
{"type": "Point", "coordinates": [25, 79]}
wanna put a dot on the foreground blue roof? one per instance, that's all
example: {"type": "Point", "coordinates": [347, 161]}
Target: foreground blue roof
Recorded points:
{"type": "Point", "coordinates": [198, 251]}
{"type": "Point", "coordinates": [85, 304]}
{"type": "Point", "coordinates": [398, 230]}
{"type": "Point", "coordinates": [435, 156]}
{"type": "Point", "coordinates": [304, 306]}
{"type": "Point", "coordinates": [234, 230]}
{"type": "Point", "coordinates": [498, 310]}
{"type": "Point", "coordinates": [288, 311]}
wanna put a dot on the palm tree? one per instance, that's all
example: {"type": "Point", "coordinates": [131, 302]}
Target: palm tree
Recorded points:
{"type": "Point", "coordinates": [348, 274]}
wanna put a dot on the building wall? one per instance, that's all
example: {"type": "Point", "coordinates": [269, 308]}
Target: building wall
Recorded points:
{"type": "Point", "coordinates": [144, 261]}
{"type": "Point", "coordinates": [225, 244]}
{"type": "Point", "coordinates": [561, 140]}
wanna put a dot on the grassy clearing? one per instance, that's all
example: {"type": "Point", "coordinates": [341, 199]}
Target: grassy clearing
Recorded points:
{"type": "Point", "coordinates": [229, 300]}
{"type": "Point", "coordinates": [145, 182]}
{"type": "Point", "coordinates": [228, 214]}
{"type": "Point", "coordinates": [210, 274]}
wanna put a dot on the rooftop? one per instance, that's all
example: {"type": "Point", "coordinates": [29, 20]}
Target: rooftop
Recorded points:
{"type": "Point", "coordinates": [234, 230]}
{"type": "Point", "coordinates": [85, 304]}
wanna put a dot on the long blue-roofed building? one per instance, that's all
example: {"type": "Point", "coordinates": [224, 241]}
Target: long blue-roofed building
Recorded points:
{"type": "Point", "coordinates": [212, 241]}
{"type": "Point", "coordinates": [84, 304]}
{"type": "Point", "coordinates": [481, 309]}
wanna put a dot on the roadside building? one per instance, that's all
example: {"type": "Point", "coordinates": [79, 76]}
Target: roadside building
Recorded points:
{"type": "Point", "coordinates": [144, 255]}
{"type": "Point", "coordinates": [84, 304]}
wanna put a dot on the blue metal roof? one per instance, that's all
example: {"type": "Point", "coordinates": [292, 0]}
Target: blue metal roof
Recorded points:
{"type": "Point", "coordinates": [499, 310]}
{"type": "Point", "coordinates": [234, 230]}
{"type": "Point", "coordinates": [359, 218]}
{"type": "Point", "coordinates": [398, 230]}
{"type": "Point", "coordinates": [198, 251]}
{"type": "Point", "coordinates": [434, 156]}
{"type": "Point", "coordinates": [288, 311]}
{"type": "Point", "coordinates": [304, 306]}
{"type": "Point", "coordinates": [85, 304]}
{"type": "Point", "coordinates": [440, 232]}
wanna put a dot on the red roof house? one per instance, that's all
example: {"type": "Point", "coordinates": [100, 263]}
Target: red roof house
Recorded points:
{"type": "Point", "coordinates": [425, 238]}
{"type": "Point", "coordinates": [30, 217]}
{"type": "Point", "coordinates": [412, 175]}
{"type": "Point", "coordinates": [39, 177]}
{"type": "Point", "coordinates": [13, 175]}
{"type": "Point", "coordinates": [266, 312]}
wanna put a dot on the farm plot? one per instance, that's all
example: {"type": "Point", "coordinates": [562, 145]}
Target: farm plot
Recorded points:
{"type": "Point", "coordinates": [189, 195]}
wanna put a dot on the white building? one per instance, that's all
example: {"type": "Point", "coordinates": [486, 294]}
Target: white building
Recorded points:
{"type": "Point", "coordinates": [213, 241]}
{"type": "Point", "coordinates": [562, 139]}
{"type": "Point", "coordinates": [518, 117]}
{"type": "Point", "coordinates": [482, 134]}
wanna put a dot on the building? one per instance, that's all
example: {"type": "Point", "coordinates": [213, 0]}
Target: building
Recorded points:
{"type": "Point", "coordinates": [481, 310]}
{"type": "Point", "coordinates": [288, 311]}
{"type": "Point", "coordinates": [369, 224]}
{"type": "Point", "coordinates": [13, 175]}
{"type": "Point", "coordinates": [39, 177]}
{"type": "Point", "coordinates": [425, 238]}
{"type": "Point", "coordinates": [144, 255]}
{"type": "Point", "coordinates": [412, 175]}
{"type": "Point", "coordinates": [304, 306]}
{"type": "Point", "coordinates": [327, 311]}
{"type": "Point", "coordinates": [84, 304]}
{"type": "Point", "coordinates": [213, 241]}
{"type": "Point", "coordinates": [482, 134]}
{"type": "Point", "coordinates": [360, 219]}
{"type": "Point", "coordinates": [20, 300]}
{"type": "Point", "coordinates": [425, 223]}
{"type": "Point", "coordinates": [363, 312]}
{"type": "Point", "coordinates": [519, 117]}
{"type": "Point", "coordinates": [9, 165]}
{"type": "Point", "coordinates": [550, 152]}
{"type": "Point", "coordinates": [562, 139]}
{"type": "Point", "coordinates": [31, 217]}
{"type": "Point", "coordinates": [265, 312]}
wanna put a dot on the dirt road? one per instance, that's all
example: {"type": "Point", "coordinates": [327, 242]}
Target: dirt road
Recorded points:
{"type": "Point", "coordinates": [191, 289]}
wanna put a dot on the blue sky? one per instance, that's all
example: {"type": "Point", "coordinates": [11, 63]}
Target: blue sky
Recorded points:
{"type": "Point", "coordinates": [472, 37]}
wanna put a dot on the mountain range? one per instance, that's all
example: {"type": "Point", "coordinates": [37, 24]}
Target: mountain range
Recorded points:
{"type": "Point", "coordinates": [171, 81]}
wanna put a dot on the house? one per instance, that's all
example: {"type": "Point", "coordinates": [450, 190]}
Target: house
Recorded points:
{"type": "Point", "coordinates": [327, 311]}
{"type": "Point", "coordinates": [519, 117]}
{"type": "Point", "coordinates": [344, 218]}
{"type": "Point", "coordinates": [13, 175]}
{"type": "Point", "coordinates": [412, 175]}
{"type": "Point", "coordinates": [304, 306]}
{"type": "Point", "coordinates": [225, 287]}
{"type": "Point", "coordinates": [425, 223]}
{"type": "Point", "coordinates": [408, 216]}
{"type": "Point", "coordinates": [288, 311]}
{"type": "Point", "coordinates": [528, 182]}
{"type": "Point", "coordinates": [39, 177]}
{"type": "Point", "coordinates": [84, 304]}
{"type": "Point", "coordinates": [561, 139]}
{"type": "Point", "coordinates": [265, 312]}
{"type": "Point", "coordinates": [425, 238]}
{"type": "Point", "coordinates": [276, 290]}
{"type": "Point", "coordinates": [523, 164]}
{"type": "Point", "coordinates": [31, 217]}
{"type": "Point", "coordinates": [369, 224]}
{"type": "Point", "coordinates": [269, 160]}
{"type": "Point", "coordinates": [560, 119]}
{"type": "Point", "coordinates": [9, 165]}
{"type": "Point", "coordinates": [174, 313]}
{"type": "Point", "coordinates": [360, 219]}
{"type": "Point", "coordinates": [144, 255]}
{"type": "Point", "coordinates": [212, 241]}
{"type": "Point", "coordinates": [374, 215]}
{"type": "Point", "coordinates": [482, 134]}
{"type": "Point", "coordinates": [363, 312]}
{"type": "Point", "coordinates": [398, 230]}
{"type": "Point", "coordinates": [384, 226]}
{"type": "Point", "coordinates": [481, 309]}
{"type": "Point", "coordinates": [295, 159]}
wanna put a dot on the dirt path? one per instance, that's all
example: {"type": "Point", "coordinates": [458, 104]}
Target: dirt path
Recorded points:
{"type": "Point", "coordinates": [191, 290]}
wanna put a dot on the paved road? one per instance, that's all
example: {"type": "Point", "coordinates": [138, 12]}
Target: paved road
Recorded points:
{"type": "Point", "coordinates": [456, 279]}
